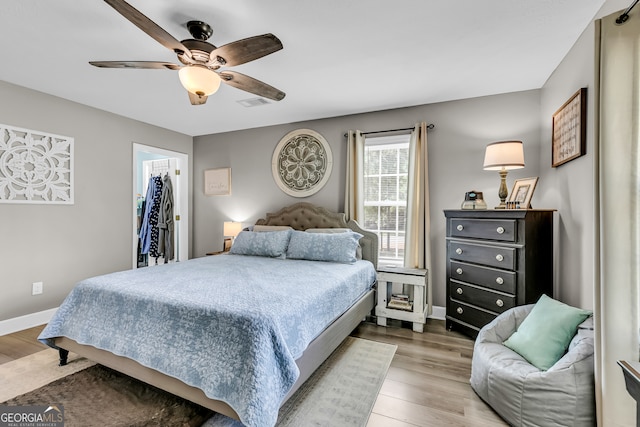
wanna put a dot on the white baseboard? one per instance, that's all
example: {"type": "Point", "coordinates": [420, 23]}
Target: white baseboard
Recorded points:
{"type": "Point", "coordinates": [27, 321]}
{"type": "Point", "coordinates": [438, 313]}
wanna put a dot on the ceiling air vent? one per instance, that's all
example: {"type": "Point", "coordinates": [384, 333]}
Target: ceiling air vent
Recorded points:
{"type": "Point", "coordinates": [253, 102]}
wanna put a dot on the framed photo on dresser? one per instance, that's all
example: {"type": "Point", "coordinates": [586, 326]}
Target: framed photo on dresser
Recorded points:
{"type": "Point", "coordinates": [522, 192]}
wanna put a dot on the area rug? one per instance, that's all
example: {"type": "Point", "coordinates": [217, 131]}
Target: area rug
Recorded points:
{"type": "Point", "coordinates": [341, 392]}
{"type": "Point", "coordinates": [36, 370]}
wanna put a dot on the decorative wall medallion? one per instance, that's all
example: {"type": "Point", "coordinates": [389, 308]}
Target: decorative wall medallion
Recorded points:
{"type": "Point", "coordinates": [302, 163]}
{"type": "Point", "coordinates": [35, 167]}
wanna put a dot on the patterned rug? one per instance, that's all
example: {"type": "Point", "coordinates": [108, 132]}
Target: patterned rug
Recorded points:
{"type": "Point", "coordinates": [341, 392]}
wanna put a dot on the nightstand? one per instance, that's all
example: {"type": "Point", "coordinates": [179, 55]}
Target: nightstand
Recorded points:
{"type": "Point", "coordinates": [415, 290]}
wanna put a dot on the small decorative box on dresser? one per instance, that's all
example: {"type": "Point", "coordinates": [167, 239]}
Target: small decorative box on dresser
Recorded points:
{"type": "Point", "coordinates": [496, 259]}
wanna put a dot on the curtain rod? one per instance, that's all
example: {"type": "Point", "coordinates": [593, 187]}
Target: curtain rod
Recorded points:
{"type": "Point", "coordinates": [429, 126]}
{"type": "Point", "coordinates": [625, 15]}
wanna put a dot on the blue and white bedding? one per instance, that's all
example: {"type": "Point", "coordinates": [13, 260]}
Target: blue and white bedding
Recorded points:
{"type": "Point", "coordinates": [231, 325]}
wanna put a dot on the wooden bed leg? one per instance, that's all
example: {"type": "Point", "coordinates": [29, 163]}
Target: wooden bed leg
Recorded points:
{"type": "Point", "coordinates": [64, 354]}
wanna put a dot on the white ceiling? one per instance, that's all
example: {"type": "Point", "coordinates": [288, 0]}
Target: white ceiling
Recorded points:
{"type": "Point", "coordinates": [340, 57]}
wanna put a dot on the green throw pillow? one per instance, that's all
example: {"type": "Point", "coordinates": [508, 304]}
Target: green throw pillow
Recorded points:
{"type": "Point", "coordinates": [544, 335]}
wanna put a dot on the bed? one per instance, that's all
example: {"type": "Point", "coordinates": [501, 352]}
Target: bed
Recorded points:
{"type": "Point", "coordinates": [236, 333]}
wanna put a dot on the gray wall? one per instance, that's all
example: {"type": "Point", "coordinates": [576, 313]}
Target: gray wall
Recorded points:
{"type": "Point", "coordinates": [456, 149]}
{"type": "Point", "coordinates": [61, 244]}
{"type": "Point", "coordinates": [570, 187]}
{"type": "Point", "coordinates": [456, 152]}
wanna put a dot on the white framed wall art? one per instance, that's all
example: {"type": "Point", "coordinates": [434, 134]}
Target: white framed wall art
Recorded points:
{"type": "Point", "coordinates": [217, 182]}
{"type": "Point", "coordinates": [35, 167]}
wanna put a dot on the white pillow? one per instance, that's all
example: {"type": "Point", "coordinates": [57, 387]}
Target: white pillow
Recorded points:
{"type": "Point", "coordinates": [271, 227]}
{"type": "Point", "coordinates": [327, 230]}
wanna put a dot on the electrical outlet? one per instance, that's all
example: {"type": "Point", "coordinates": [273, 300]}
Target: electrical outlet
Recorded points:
{"type": "Point", "coordinates": [37, 288]}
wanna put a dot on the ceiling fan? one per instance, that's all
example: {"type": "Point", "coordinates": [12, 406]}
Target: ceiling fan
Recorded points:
{"type": "Point", "coordinates": [201, 61]}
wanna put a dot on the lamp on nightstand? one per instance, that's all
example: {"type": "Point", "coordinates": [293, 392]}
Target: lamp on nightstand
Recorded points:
{"type": "Point", "coordinates": [503, 156]}
{"type": "Point", "coordinates": [230, 230]}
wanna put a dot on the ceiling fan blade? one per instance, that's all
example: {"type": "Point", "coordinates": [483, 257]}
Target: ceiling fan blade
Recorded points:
{"type": "Point", "coordinates": [148, 26]}
{"type": "Point", "coordinates": [246, 50]}
{"type": "Point", "coordinates": [196, 99]}
{"type": "Point", "coordinates": [251, 85]}
{"type": "Point", "coordinates": [136, 64]}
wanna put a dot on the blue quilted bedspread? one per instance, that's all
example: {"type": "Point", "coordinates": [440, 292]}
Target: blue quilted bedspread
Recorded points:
{"type": "Point", "coordinates": [230, 325]}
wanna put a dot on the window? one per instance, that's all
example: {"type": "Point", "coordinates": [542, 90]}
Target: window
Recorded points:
{"type": "Point", "coordinates": [386, 166]}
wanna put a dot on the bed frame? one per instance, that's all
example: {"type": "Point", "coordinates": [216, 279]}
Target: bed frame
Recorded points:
{"type": "Point", "coordinates": [299, 216]}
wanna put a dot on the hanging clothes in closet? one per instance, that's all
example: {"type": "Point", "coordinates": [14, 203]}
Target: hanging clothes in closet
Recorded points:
{"type": "Point", "coordinates": [165, 220]}
{"type": "Point", "coordinates": [149, 232]}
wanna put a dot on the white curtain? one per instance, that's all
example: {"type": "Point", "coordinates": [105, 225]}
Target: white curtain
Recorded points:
{"type": "Point", "coordinates": [354, 190]}
{"type": "Point", "coordinates": [417, 250]}
{"type": "Point", "coordinates": [417, 237]}
{"type": "Point", "coordinates": [618, 214]}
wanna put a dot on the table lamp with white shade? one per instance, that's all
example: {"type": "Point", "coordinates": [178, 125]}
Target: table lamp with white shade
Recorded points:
{"type": "Point", "coordinates": [504, 156]}
{"type": "Point", "coordinates": [230, 230]}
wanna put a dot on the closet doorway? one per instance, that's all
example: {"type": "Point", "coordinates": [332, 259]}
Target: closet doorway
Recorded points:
{"type": "Point", "coordinates": [152, 161]}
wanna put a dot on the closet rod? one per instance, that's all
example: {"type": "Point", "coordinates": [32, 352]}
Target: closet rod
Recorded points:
{"type": "Point", "coordinates": [429, 126]}
{"type": "Point", "coordinates": [625, 15]}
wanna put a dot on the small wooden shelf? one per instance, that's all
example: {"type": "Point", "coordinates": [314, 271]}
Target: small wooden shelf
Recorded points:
{"type": "Point", "coordinates": [414, 283]}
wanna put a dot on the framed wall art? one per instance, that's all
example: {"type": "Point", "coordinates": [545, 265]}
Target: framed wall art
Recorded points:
{"type": "Point", "coordinates": [569, 136]}
{"type": "Point", "coordinates": [217, 182]}
{"type": "Point", "coordinates": [302, 163]}
{"type": "Point", "coordinates": [522, 192]}
{"type": "Point", "coordinates": [35, 167]}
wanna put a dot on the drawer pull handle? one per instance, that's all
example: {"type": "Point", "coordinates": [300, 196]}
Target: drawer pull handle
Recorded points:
{"type": "Point", "coordinates": [459, 291]}
{"type": "Point", "coordinates": [460, 227]}
{"type": "Point", "coordinates": [499, 303]}
{"type": "Point", "coordinates": [459, 251]}
{"type": "Point", "coordinates": [499, 257]}
{"type": "Point", "coordinates": [459, 270]}
{"type": "Point", "coordinates": [499, 280]}
{"type": "Point", "coordinates": [500, 230]}
{"type": "Point", "coordinates": [459, 310]}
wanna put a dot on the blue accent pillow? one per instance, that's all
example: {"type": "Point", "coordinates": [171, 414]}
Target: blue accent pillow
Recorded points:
{"type": "Point", "coordinates": [267, 243]}
{"type": "Point", "coordinates": [544, 335]}
{"type": "Point", "coordinates": [332, 247]}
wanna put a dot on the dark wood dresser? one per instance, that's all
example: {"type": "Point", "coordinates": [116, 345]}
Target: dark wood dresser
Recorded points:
{"type": "Point", "coordinates": [496, 259]}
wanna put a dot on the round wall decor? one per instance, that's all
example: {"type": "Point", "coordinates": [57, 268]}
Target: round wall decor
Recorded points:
{"type": "Point", "coordinates": [302, 162]}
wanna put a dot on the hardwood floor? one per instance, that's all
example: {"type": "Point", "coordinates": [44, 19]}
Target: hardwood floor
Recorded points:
{"type": "Point", "coordinates": [427, 383]}
{"type": "Point", "coordinates": [20, 344]}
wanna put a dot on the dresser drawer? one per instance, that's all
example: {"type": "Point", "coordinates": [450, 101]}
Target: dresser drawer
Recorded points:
{"type": "Point", "coordinates": [459, 311]}
{"type": "Point", "coordinates": [500, 280]}
{"type": "Point", "coordinates": [483, 298]}
{"type": "Point", "coordinates": [503, 230]}
{"type": "Point", "coordinates": [493, 256]}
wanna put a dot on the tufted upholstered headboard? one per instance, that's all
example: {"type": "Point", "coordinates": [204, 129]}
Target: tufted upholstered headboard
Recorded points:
{"type": "Point", "coordinates": [304, 215]}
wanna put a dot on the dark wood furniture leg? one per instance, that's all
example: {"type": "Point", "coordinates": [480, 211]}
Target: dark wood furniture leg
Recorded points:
{"type": "Point", "coordinates": [64, 354]}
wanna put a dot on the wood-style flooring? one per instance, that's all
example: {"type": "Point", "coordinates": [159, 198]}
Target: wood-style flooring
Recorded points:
{"type": "Point", "coordinates": [427, 383]}
{"type": "Point", "coordinates": [20, 344]}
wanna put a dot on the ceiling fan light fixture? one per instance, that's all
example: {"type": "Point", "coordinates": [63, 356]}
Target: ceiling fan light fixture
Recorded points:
{"type": "Point", "coordinates": [199, 80]}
